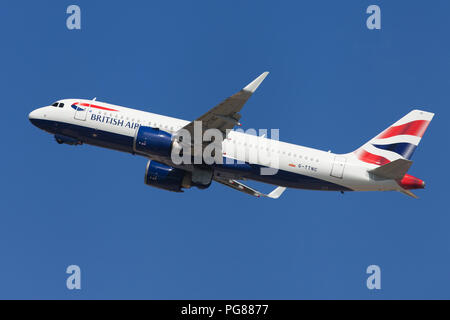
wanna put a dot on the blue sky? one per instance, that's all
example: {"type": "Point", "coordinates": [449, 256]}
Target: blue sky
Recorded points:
{"type": "Point", "coordinates": [334, 84]}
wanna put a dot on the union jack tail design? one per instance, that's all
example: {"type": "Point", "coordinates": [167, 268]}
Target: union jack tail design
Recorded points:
{"type": "Point", "coordinates": [399, 141]}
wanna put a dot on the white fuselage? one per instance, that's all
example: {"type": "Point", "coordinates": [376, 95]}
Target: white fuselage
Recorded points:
{"type": "Point", "coordinates": [100, 123]}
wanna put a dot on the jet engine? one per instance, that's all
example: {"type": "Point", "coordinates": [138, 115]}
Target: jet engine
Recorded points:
{"type": "Point", "coordinates": [153, 142]}
{"type": "Point", "coordinates": [169, 178]}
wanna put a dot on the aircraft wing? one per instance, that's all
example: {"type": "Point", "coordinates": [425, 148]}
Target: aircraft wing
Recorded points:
{"type": "Point", "coordinates": [225, 115]}
{"type": "Point", "coordinates": [275, 194]}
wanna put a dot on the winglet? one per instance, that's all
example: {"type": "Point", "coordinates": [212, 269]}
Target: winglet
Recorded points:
{"type": "Point", "coordinates": [252, 86]}
{"type": "Point", "coordinates": [275, 194]}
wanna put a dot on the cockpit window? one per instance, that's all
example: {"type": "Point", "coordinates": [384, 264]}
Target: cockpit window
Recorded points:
{"type": "Point", "coordinates": [55, 104]}
{"type": "Point", "coordinates": [61, 105]}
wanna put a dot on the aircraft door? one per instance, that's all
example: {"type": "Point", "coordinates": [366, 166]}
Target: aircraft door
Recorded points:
{"type": "Point", "coordinates": [81, 111]}
{"type": "Point", "coordinates": [337, 170]}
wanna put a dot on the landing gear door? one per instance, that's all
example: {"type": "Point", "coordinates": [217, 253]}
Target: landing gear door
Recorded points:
{"type": "Point", "coordinates": [81, 110]}
{"type": "Point", "coordinates": [337, 170]}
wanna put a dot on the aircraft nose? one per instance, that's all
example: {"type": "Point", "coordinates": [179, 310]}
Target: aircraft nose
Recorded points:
{"type": "Point", "coordinates": [33, 116]}
{"type": "Point", "coordinates": [37, 116]}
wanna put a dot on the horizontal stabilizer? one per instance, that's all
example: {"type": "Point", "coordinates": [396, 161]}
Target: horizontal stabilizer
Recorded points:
{"type": "Point", "coordinates": [408, 193]}
{"type": "Point", "coordinates": [395, 170]}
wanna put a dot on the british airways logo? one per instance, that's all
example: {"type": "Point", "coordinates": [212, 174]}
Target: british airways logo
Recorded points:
{"type": "Point", "coordinates": [80, 107]}
{"type": "Point", "coordinates": [115, 122]}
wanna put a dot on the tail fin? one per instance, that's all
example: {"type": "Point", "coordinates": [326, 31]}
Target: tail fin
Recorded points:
{"type": "Point", "coordinates": [399, 141]}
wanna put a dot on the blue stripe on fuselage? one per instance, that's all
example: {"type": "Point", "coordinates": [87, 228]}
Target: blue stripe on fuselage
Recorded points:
{"type": "Point", "coordinates": [87, 135]}
{"type": "Point", "coordinates": [280, 177]}
{"type": "Point", "coordinates": [240, 170]}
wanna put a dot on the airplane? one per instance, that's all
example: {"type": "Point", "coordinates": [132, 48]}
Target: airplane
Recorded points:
{"type": "Point", "coordinates": [381, 164]}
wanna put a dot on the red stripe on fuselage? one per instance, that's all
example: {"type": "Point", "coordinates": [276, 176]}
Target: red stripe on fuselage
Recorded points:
{"type": "Point", "coordinates": [414, 128]}
{"type": "Point", "coordinates": [368, 157]}
{"type": "Point", "coordinates": [94, 106]}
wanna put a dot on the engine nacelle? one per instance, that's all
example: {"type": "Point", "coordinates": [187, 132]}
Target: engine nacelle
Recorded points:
{"type": "Point", "coordinates": [169, 178]}
{"type": "Point", "coordinates": [164, 177]}
{"type": "Point", "coordinates": [153, 141]}
{"type": "Point", "coordinates": [67, 140]}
